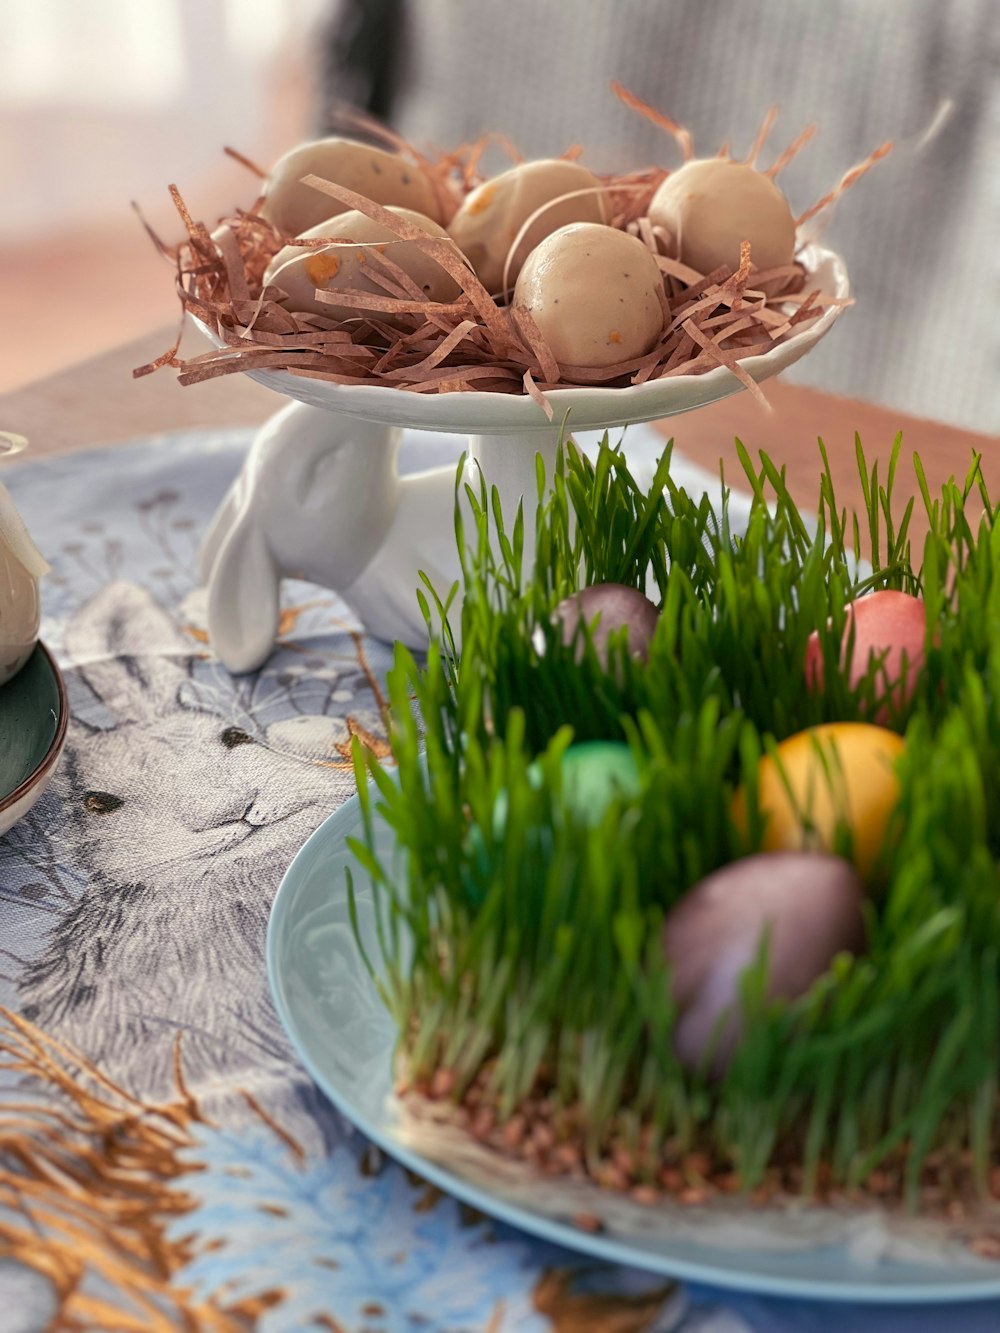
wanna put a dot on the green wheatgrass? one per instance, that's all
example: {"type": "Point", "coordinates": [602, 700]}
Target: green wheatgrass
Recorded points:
{"type": "Point", "coordinates": [536, 940]}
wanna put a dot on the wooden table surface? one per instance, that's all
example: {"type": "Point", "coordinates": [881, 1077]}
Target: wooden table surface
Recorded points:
{"type": "Point", "coordinates": [98, 402]}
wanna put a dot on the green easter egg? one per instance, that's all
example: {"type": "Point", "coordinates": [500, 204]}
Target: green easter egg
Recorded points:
{"type": "Point", "coordinates": [480, 864]}
{"type": "Point", "coordinates": [594, 774]}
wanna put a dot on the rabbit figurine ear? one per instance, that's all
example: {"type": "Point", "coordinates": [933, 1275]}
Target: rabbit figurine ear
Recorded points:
{"type": "Point", "coordinates": [129, 651]}
{"type": "Point", "coordinates": [244, 596]}
{"type": "Point", "coordinates": [218, 530]}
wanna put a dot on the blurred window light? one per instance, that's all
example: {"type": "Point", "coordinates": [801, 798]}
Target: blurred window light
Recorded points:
{"type": "Point", "coordinates": [99, 53]}
{"type": "Point", "coordinates": [256, 29]}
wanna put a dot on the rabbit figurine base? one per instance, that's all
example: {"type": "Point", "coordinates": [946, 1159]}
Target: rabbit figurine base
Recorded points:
{"type": "Point", "coordinates": [320, 498]}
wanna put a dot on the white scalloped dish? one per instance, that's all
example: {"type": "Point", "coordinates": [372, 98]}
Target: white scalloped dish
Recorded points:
{"type": "Point", "coordinates": [589, 408]}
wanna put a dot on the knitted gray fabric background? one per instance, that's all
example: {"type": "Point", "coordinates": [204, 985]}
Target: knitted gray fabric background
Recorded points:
{"type": "Point", "coordinates": [921, 233]}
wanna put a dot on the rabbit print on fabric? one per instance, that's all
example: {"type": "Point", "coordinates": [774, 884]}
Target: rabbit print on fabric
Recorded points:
{"type": "Point", "coordinates": [185, 821]}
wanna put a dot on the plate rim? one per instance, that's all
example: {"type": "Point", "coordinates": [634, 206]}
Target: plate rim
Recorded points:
{"type": "Point", "coordinates": [51, 755]}
{"type": "Point", "coordinates": [536, 1225]}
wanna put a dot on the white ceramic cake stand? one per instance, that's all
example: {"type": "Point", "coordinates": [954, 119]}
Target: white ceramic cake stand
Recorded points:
{"type": "Point", "coordinates": [320, 498]}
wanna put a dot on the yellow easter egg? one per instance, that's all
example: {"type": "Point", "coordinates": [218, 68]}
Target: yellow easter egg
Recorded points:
{"type": "Point", "coordinates": [827, 778]}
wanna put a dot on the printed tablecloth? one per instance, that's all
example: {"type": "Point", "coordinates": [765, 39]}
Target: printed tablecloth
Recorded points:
{"type": "Point", "coordinates": [165, 1163]}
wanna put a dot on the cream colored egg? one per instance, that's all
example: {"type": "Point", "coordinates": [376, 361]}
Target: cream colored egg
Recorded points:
{"type": "Point", "coordinates": [301, 272]}
{"type": "Point", "coordinates": [593, 291]}
{"type": "Point", "coordinates": [387, 178]}
{"type": "Point", "coordinates": [709, 207]}
{"type": "Point", "coordinates": [490, 218]}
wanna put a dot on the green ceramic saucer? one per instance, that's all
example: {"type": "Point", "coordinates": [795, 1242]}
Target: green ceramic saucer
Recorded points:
{"type": "Point", "coordinates": [33, 715]}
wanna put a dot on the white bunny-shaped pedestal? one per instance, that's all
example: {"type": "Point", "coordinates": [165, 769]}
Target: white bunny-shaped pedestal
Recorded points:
{"type": "Point", "coordinates": [320, 497]}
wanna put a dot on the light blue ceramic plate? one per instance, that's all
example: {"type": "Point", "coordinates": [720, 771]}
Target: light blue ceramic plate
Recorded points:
{"type": "Point", "coordinates": [330, 1007]}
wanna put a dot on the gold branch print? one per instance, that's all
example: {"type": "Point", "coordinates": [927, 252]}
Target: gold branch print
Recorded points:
{"type": "Point", "coordinates": [91, 1182]}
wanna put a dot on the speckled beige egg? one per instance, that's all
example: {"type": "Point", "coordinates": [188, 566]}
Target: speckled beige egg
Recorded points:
{"type": "Point", "coordinates": [300, 273]}
{"type": "Point", "coordinates": [709, 207]}
{"type": "Point", "coordinates": [385, 177]}
{"type": "Point", "coordinates": [490, 218]}
{"type": "Point", "coordinates": [593, 292]}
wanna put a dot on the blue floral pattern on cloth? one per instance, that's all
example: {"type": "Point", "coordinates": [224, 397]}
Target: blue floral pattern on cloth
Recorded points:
{"type": "Point", "coordinates": [164, 1160]}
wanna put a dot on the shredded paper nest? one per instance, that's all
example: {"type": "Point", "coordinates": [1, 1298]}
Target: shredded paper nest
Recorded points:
{"type": "Point", "coordinates": [401, 340]}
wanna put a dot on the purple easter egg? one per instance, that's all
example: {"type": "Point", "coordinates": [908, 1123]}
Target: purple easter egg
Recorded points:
{"type": "Point", "coordinates": [606, 607]}
{"type": "Point", "coordinates": [809, 903]}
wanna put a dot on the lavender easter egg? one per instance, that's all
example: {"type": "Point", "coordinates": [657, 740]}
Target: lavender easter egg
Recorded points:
{"type": "Point", "coordinates": [808, 905]}
{"type": "Point", "coordinates": [606, 608]}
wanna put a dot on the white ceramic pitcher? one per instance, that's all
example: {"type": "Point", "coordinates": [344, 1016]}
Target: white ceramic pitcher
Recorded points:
{"type": "Point", "coordinates": [21, 566]}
